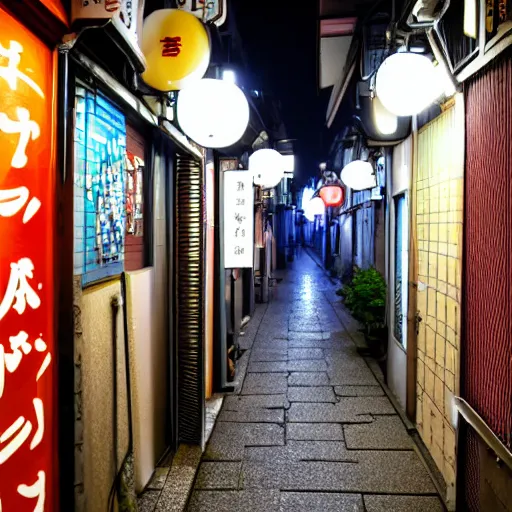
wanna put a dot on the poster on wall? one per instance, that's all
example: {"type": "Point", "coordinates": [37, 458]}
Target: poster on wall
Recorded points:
{"type": "Point", "coordinates": [100, 196]}
{"type": "Point", "coordinates": [28, 377]}
{"type": "Point", "coordinates": [238, 219]}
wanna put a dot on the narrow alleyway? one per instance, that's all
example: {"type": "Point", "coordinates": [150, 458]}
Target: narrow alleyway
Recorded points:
{"type": "Point", "coordinates": [311, 429]}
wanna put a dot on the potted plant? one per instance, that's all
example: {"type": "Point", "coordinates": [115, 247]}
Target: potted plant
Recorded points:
{"type": "Point", "coordinates": [365, 297]}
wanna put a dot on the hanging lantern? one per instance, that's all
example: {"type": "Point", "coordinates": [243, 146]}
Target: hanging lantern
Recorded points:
{"type": "Point", "coordinates": [176, 47]}
{"type": "Point", "coordinates": [332, 195]}
{"type": "Point", "coordinates": [213, 113]}
{"type": "Point", "coordinates": [359, 175]}
{"type": "Point", "coordinates": [407, 83]}
{"type": "Point", "coordinates": [267, 166]}
{"type": "Point", "coordinates": [315, 207]}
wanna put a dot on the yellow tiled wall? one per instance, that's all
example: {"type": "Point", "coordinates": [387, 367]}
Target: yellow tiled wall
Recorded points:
{"type": "Point", "coordinates": [439, 216]}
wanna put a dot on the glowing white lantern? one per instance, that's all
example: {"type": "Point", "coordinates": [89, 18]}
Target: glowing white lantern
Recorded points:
{"type": "Point", "coordinates": [359, 175]}
{"type": "Point", "coordinates": [407, 83]}
{"type": "Point", "coordinates": [213, 113]}
{"type": "Point", "coordinates": [267, 167]}
{"type": "Point", "coordinates": [384, 120]}
{"type": "Point", "coordinates": [315, 207]}
{"type": "Point", "coordinates": [307, 194]}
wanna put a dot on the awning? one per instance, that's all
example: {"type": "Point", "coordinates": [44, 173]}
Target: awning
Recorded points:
{"type": "Point", "coordinates": [342, 84]}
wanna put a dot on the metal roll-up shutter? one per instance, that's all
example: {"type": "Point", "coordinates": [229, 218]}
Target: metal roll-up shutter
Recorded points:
{"type": "Point", "coordinates": [189, 250]}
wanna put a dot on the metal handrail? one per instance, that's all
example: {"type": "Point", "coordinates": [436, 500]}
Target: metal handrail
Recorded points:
{"type": "Point", "coordinates": [484, 431]}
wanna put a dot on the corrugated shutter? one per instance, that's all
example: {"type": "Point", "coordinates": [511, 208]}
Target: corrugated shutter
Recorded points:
{"type": "Point", "coordinates": [487, 347]}
{"type": "Point", "coordinates": [190, 273]}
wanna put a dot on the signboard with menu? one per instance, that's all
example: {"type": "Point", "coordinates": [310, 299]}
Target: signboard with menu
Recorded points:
{"type": "Point", "coordinates": [212, 11]}
{"type": "Point", "coordinates": [238, 219]}
{"type": "Point", "coordinates": [28, 375]}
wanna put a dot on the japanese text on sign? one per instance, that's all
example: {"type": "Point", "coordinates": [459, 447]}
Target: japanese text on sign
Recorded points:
{"type": "Point", "coordinates": [27, 180]}
{"type": "Point", "coordinates": [238, 219]}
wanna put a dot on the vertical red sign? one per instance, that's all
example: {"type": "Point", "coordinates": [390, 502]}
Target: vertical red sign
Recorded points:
{"type": "Point", "coordinates": [28, 436]}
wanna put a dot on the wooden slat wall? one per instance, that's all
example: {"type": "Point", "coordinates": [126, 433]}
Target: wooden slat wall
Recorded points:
{"type": "Point", "coordinates": [487, 327]}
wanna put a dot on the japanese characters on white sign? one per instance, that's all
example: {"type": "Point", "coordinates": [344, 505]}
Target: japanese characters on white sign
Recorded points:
{"type": "Point", "coordinates": [238, 219]}
{"type": "Point", "coordinates": [213, 11]}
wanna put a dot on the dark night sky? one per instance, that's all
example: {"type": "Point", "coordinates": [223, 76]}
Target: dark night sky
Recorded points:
{"type": "Point", "coordinates": [280, 40]}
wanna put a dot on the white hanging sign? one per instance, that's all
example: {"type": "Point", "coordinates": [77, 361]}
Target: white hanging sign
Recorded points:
{"type": "Point", "coordinates": [213, 11]}
{"type": "Point", "coordinates": [238, 219]}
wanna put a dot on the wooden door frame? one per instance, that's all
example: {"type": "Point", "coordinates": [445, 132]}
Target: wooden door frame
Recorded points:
{"type": "Point", "coordinates": [412, 335]}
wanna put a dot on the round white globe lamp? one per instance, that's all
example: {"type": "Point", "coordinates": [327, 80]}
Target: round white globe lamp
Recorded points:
{"type": "Point", "coordinates": [213, 113]}
{"type": "Point", "coordinates": [407, 83]}
{"type": "Point", "coordinates": [359, 175]}
{"type": "Point", "coordinates": [267, 167]}
{"type": "Point", "coordinates": [315, 207]}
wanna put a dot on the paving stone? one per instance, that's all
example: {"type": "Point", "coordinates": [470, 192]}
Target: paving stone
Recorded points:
{"type": "Point", "coordinates": [305, 327]}
{"type": "Point", "coordinates": [240, 403]}
{"type": "Point", "coordinates": [294, 451]}
{"type": "Point", "coordinates": [268, 367]}
{"type": "Point", "coordinates": [256, 415]}
{"type": "Point", "coordinates": [263, 435]}
{"type": "Point", "coordinates": [305, 353]}
{"type": "Point", "coordinates": [294, 335]}
{"type": "Point", "coordinates": [311, 394]}
{"type": "Point", "coordinates": [366, 405]}
{"type": "Point", "coordinates": [376, 503]}
{"type": "Point", "coordinates": [305, 365]}
{"type": "Point", "coordinates": [314, 432]}
{"type": "Point", "coordinates": [324, 502]}
{"type": "Point", "coordinates": [315, 343]}
{"type": "Point", "coordinates": [375, 472]}
{"type": "Point", "coordinates": [262, 355]}
{"type": "Point", "coordinates": [218, 475]}
{"type": "Point", "coordinates": [359, 391]}
{"type": "Point", "coordinates": [147, 501]}
{"type": "Point", "coordinates": [325, 413]}
{"type": "Point", "coordinates": [308, 379]}
{"type": "Point", "coordinates": [233, 501]}
{"type": "Point", "coordinates": [351, 377]}
{"type": "Point", "coordinates": [384, 433]}
{"type": "Point", "coordinates": [265, 384]}
{"type": "Point", "coordinates": [271, 343]}
{"type": "Point", "coordinates": [223, 446]}
{"type": "Point", "coordinates": [229, 440]}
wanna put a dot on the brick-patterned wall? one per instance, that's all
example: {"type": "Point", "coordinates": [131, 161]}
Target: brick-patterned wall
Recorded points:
{"type": "Point", "coordinates": [439, 217]}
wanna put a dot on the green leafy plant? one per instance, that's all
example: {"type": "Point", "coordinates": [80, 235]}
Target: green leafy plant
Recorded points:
{"type": "Point", "coordinates": [365, 298]}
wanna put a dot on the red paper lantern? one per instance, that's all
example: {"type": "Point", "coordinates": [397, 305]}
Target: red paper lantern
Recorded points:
{"type": "Point", "coordinates": [332, 195]}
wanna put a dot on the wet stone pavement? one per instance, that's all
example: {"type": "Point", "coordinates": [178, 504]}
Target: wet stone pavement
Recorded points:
{"type": "Point", "coordinates": [310, 428]}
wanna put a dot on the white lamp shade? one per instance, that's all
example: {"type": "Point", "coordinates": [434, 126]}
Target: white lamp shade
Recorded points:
{"type": "Point", "coordinates": [315, 207]}
{"type": "Point", "coordinates": [267, 167]}
{"type": "Point", "coordinates": [385, 121]}
{"type": "Point", "coordinates": [407, 83]}
{"type": "Point", "coordinates": [359, 175]}
{"type": "Point", "coordinates": [307, 194]}
{"type": "Point", "coordinates": [213, 113]}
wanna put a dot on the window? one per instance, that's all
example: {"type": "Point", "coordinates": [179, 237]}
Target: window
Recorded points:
{"type": "Point", "coordinates": [401, 270]}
